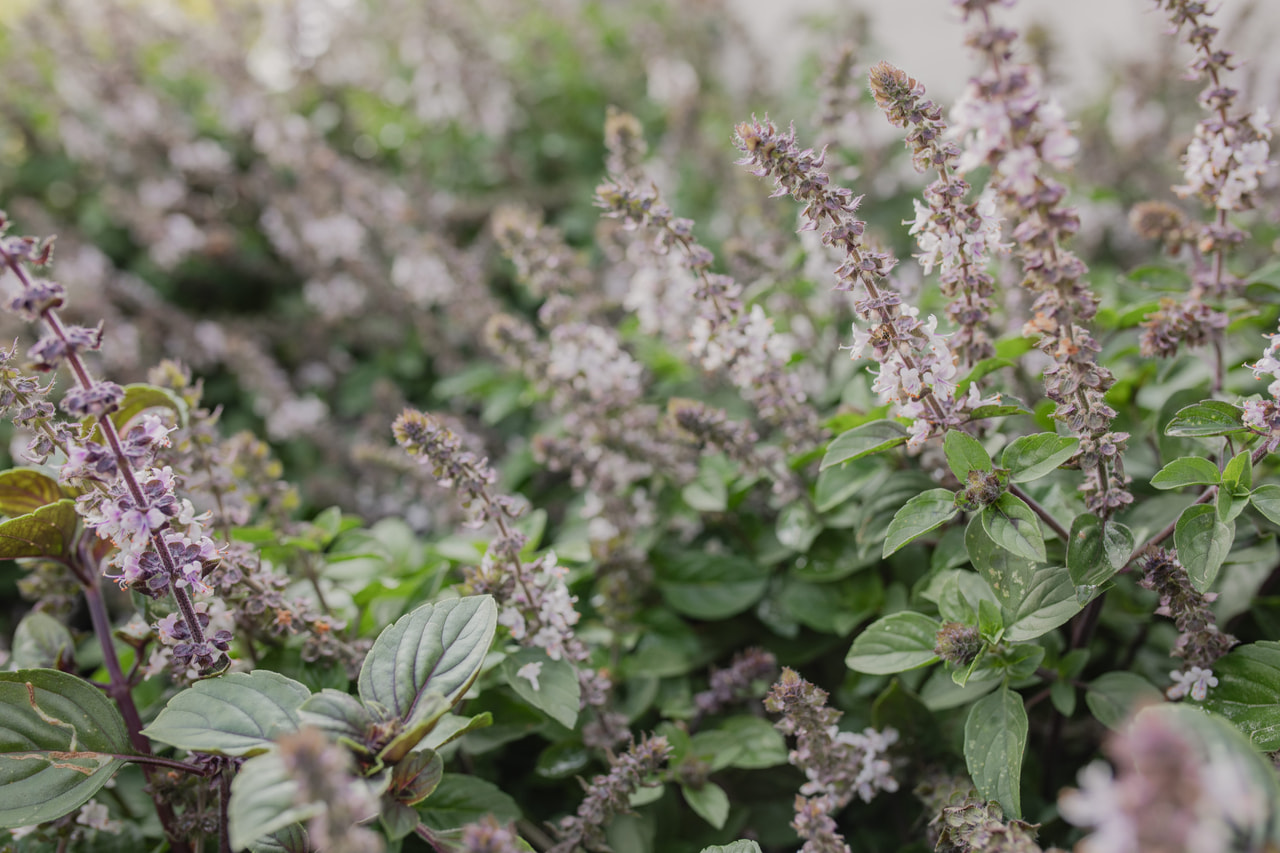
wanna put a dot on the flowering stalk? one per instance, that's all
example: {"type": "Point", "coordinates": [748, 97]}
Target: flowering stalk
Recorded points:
{"type": "Point", "coordinates": [137, 509]}
{"type": "Point", "coordinates": [839, 765]}
{"type": "Point", "coordinates": [1010, 126]}
{"type": "Point", "coordinates": [1222, 167]}
{"type": "Point", "coordinates": [609, 795]}
{"type": "Point", "coordinates": [954, 236]}
{"type": "Point", "coordinates": [1200, 642]}
{"type": "Point", "coordinates": [917, 369]}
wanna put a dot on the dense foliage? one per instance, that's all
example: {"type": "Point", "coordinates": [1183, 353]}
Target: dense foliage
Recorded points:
{"type": "Point", "coordinates": [436, 430]}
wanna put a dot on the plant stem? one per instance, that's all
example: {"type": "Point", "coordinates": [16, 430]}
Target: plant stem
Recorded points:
{"type": "Point", "coordinates": [1039, 510]}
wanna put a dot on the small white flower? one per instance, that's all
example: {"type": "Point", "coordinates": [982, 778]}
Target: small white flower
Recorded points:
{"type": "Point", "coordinates": [1195, 681]}
{"type": "Point", "coordinates": [530, 673]}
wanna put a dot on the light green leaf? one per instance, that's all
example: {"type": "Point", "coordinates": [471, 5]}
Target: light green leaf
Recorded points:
{"type": "Point", "coordinates": [965, 454]}
{"type": "Point", "coordinates": [1096, 551]}
{"type": "Point", "coordinates": [1009, 575]}
{"type": "Point", "coordinates": [1033, 456]}
{"type": "Point", "coordinates": [797, 527]}
{"type": "Point", "coordinates": [710, 586]}
{"type": "Point", "coordinates": [1237, 475]}
{"type": "Point", "coordinates": [995, 737]}
{"type": "Point", "coordinates": [1050, 601]}
{"type": "Point", "coordinates": [895, 643]}
{"type": "Point", "coordinates": [46, 532]}
{"type": "Point", "coordinates": [339, 715]}
{"type": "Point", "coordinates": [24, 490]}
{"type": "Point", "coordinates": [918, 516]}
{"type": "Point", "coordinates": [558, 692]}
{"type": "Point", "coordinates": [735, 847]}
{"type": "Point", "coordinates": [1266, 500]}
{"type": "Point", "coordinates": [1187, 471]}
{"type": "Point", "coordinates": [1012, 525]}
{"type": "Point", "coordinates": [1203, 543]}
{"type": "Point", "coordinates": [1114, 697]}
{"type": "Point", "coordinates": [41, 641]}
{"type": "Point", "coordinates": [239, 713]}
{"type": "Point", "coordinates": [1212, 417]}
{"type": "Point", "coordinates": [58, 735]}
{"type": "Point", "coordinates": [434, 649]}
{"type": "Point", "coordinates": [1248, 692]}
{"type": "Point", "coordinates": [264, 799]}
{"type": "Point", "coordinates": [863, 441]}
{"type": "Point", "coordinates": [709, 802]}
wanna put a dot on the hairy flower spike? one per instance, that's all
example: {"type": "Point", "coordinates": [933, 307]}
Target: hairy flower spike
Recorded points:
{"type": "Point", "coordinates": [609, 795]}
{"type": "Point", "coordinates": [1200, 642]}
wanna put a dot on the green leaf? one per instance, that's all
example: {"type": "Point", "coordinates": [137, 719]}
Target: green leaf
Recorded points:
{"type": "Point", "coordinates": [46, 532]}
{"type": "Point", "coordinates": [1203, 543]}
{"type": "Point", "coordinates": [761, 745]}
{"type": "Point", "coordinates": [1096, 551]}
{"type": "Point", "coordinates": [709, 802]}
{"type": "Point", "coordinates": [1115, 696]}
{"type": "Point", "coordinates": [1012, 525]}
{"type": "Point", "coordinates": [460, 800]}
{"type": "Point", "coordinates": [41, 641]}
{"type": "Point", "coordinates": [1237, 475]}
{"type": "Point", "coordinates": [239, 713]}
{"type": "Point", "coordinates": [140, 397]}
{"type": "Point", "coordinates": [710, 586]}
{"type": "Point", "coordinates": [415, 778]}
{"type": "Point", "coordinates": [995, 736]}
{"type": "Point", "coordinates": [1212, 417]}
{"type": "Point", "coordinates": [797, 527]}
{"type": "Point", "coordinates": [863, 441]}
{"type": "Point", "coordinates": [735, 847]}
{"type": "Point", "coordinates": [264, 800]}
{"type": "Point", "coordinates": [996, 411]}
{"type": "Point", "coordinates": [340, 715]}
{"type": "Point", "coordinates": [1248, 692]}
{"type": "Point", "coordinates": [1009, 575]}
{"type": "Point", "coordinates": [57, 737]}
{"type": "Point", "coordinates": [965, 454]}
{"type": "Point", "coordinates": [1266, 500]}
{"type": "Point", "coordinates": [1187, 471]}
{"type": "Point", "coordinates": [451, 727]}
{"type": "Point", "coordinates": [918, 516]}
{"type": "Point", "coordinates": [895, 643]}
{"type": "Point", "coordinates": [1050, 601]}
{"type": "Point", "coordinates": [434, 649]}
{"type": "Point", "coordinates": [981, 369]}
{"type": "Point", "coordinates": [558, 692]}
{"type": "Point", "coordinates": [1033, 456]}
{"type": "Point", "coordinates": [24, 490]}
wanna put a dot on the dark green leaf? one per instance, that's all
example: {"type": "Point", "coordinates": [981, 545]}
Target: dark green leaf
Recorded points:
{"type": "Point", "coordinates": [1203, 543]}
{"type": "Point", "coordinates": [1248, 692]}
{"type": "Point", "coordinates": [24, 490]}
{"type": "Point", "coordinates": [435, 649]}
{"type": "Point", "coordinates": [708, 802]}
{"type": "Point", "coordinates": [415, 778]}
{"type": "Point", "coordinates": [46, 532]}
{"type": "Point", "coordinates": [760, 744]}
{"type": "Point", "coordinates": [557, 694]}
{"type": "Point", "coordinates": [1266, 500]}
{"type": "Point", "coordinates": [1008, 574]}
{"type": "Point", "coordinates": [1033, 456]}
{"type": "Point", "coordinates": [1212, 417]}
{"type": "Point", "coordinates": [895, 643]}
{"type": "Point", "coordinates": [863, 441]}
{"type": "Point", "coordinates": [995, 736]}
{"type": "Point", "coordinates": [460, 800]}
{"type": "Point", "coordinates": [710, 586]}
{"type": "Point", "coordinates": [918, 516]}
{"type": "Point", "coordinates": [57, 738]}
{"type": "Point", "coordinates": [1012, 525]}
{"type": "Point", "coordinates": [965, 454]}
{"type": "Point", "coordinates": [1115, 696]}
{"type": "Point", "coordinates": [1096, 552]}
{"type": "Point", "coordinates": [239, 713]}
{"type": "Point", "coordinates": [1187, 471]}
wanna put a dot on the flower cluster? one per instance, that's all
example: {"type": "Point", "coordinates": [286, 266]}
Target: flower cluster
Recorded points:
{"type": "Point", "coordinates": [1200, 642]}
{"type": "Point", "coordinates": [1162, 795]}
{"type": "Point", "coordinates": [1008, 124]}
{"type": "Point", "coordinates": [839, 765]}
{"type": "Point", "coordinates": [1263, 416]}
{"type": "Point", "coordinates": [918, 372]}
{"type": "Point", "coordinates": [610, 794]}
{"type": "Point", "coordinates": [733, 683]}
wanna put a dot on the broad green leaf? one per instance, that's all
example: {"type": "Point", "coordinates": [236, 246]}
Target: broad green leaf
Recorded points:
{"type": "Point", "coordinates": [1096, 551]}
{"type": "Point", "coordinates": [46, 532]}
{"type": "Point", "coordinates": [239, 713]}
{"type": "Point", "coordinates": [558, 693]}
{"type": "Point", "coordinates": [965, 454]}
{"type": "Point", "coordinates": [1248, 692]}
{"type": "Point", "coordinates": [1187, 471]}
{"type": "Point", "coordinates": [451, 727]}
{"type": "Point", "coordinates": [761, 745]}
{"type": "Point", "coordinates": [58, 738]}
{"type": "Point", "coordinates": [460, 800]}
{"type": "Point", "coordinates": [291, 839]}
{"type": "Point", "coordinates": [996, 411]}
{"type": "Point", "coordinates": [735, 847]}
{"type": "Point", "coordinates": [1115, 696]}
{"type": "Point", "coordinates": [981, 369]}
{"type": "Point", "coordinates": [1266, 500]}
{"type": "Point", "coordinates": [895, 643]}
{"type": "Point", "coordinates": [434, 649]}
{"type": "Point", "coordinates": [415, 778]}
{"type": "Point", "coordinates": [1033, 456]}
{"type": "Point", "coordinates": [139, 397]}
{"type": "Point", "coordinates": [1238, 473]}
{"type": "Point", "coordinates": [41, 641]}
{"type": "Point", "coordinates": [918, 516]}
{"type": "Point", "coordinates": [1013, 525]}
{"type": "Point", "coordinates": [995, 736]}
{"type": "Point", "coordinates": [1050, 601]}
{"type": "Point", "coordinates": [1009, 575]}
{"type": "Point", "coordinates": [710, 586]}
{"type": "Point", "coordinates": [1203, 543]}
{"type": "Point", "coordinates": [24, 490]}
{"type": "Point", "coordinates": [264, 800]}
{"type": "Point", "coordinates": [340, 715]}
{"type": "Point", "coordinates": [1212, 417]}
{"type": "Point", "coordinates": [709, 802]}
{"type": "Point", "coordinates": [863, 441]}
